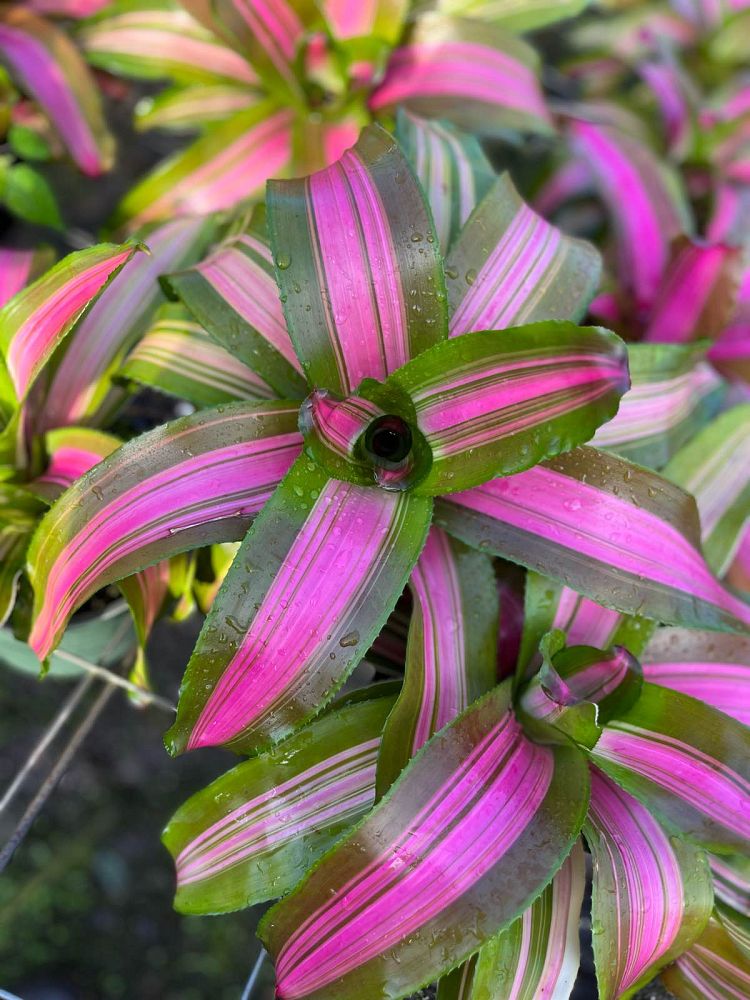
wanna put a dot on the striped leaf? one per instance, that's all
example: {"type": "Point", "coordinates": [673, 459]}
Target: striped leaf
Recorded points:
{"type": "Point", "coordinates": [715, 468]}
{"type": "Point", "coordinates": [18, 268]}
{"type": "Point", "coordinates": [617, 533]}
{"type": "Point", "coordinates": [229, 163]}
{"type": "Point", "coordinates": [451, 167]}
{"type": "Point", "coordinates": [509, 267]}
{"type": "Point", "coordinates": [192, 482]}
{"type": "Point", "coordinates": [731, 876]}
{"type": "Point", "coordinates": [652, 893]}
{"type": "Point", "coordinates": [713, 969]}
{"type": "Point", "coordinates": [462, 844]}
{"type": "Point", "coordinates": [179, 358]}
{"type": "Point", "coordinates": [686, 762]}
{"type": "Point", "coordinates": [673, 393]}
{"type": "Point", "coordinates": [48, 67]}
{"type": "Point", "coordinates": [538, 955]}
{"type": "Point", "coordinates": [358, 265]}
{"type": "Point", "coordinates": [66, 8]}
{"type": "Point", "coordinates": [184, 109]}
{"type": "Point", "coordinates": [71, 452]}
{"type": "Point", "coordinates": [697, 295]}
{"type": "Point", "coordinates": [81, 382]}
{"type": "Point", "coordinates": [254, 832]}
{"type": "Point", "coordinates": [233, 294]}
{"type": "Point", "coordinates": [159, 43]}
{"type": "Point", "coordinates": [713, 668]}
{"type": "Point", "coordinates": [640, 195]}
{"type": "Point", "coordinates": [371, 19]}
{"type": "Point", "coordinates": [451, 648]}
{"type": "Point", "coordinates": [38, 318]}
{"type": "Point", "coordinates": [493, 403]}
{"type": "Point", "coordinates": [515, 15]}
{"type": "Point", "coordinates": [475, 75]}
{"type": "Point", "coordinates": [311, 586]}
{"type": "Point", "coordinates": [731, 352]}
{"type": "Point", "coordinates": [20, 510]}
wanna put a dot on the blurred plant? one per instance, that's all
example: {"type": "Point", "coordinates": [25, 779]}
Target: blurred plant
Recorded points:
{"type": "Point", "coordinates": [423, 450]}
{"type": "Point", "coordinates": [283, 88]}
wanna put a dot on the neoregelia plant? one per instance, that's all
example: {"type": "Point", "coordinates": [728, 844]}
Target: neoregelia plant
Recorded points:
{"type": "Point", "coordinates": [436, 407]}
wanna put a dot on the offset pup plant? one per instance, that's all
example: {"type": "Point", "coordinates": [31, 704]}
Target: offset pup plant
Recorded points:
{"type": "Point", "coordinates": [437, 405]}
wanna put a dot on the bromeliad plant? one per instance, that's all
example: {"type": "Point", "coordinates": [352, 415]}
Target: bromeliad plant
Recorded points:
{"type": "Point", "coordinates": [446, 405]}
{"type": "Point", "coordinates": [282, 88]}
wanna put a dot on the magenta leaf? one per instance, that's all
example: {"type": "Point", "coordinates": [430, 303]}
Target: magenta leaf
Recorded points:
{"type": "Point", "coordinates": [713, 969]}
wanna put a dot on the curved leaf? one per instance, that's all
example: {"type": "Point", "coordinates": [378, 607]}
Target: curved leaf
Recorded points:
{"type": "Point", "coordinates": [184, 109]}
{"type": "Point", "coordinates": [713, 969]}
{"type": "Point", "coordinates": [451, 167]}
{"type": "Point", "coordinates": [178, 357]}
{"type": "Point", "coordinates": [48, 67]}
{"type": "Point", "coordinates": [358, 265]}
{"type": "Point", "coordinates": [527, 15]}
{"type": "Point", "coordinates": [17, 267]}
{"type": "Point", "coordinates": [381, 19]}
{"type": "Point", "coordinates": [686, 762]}
{"type": "Point", "coordinates": [651, 895]}
{"type": "Point", "coordinates": [617, 533]}
{"type": "Point", "coordinates": [477, 76]}
{"type": "Point", "coordinates": [71, 452]}
{"type": "Point", "coordinates": [732, 881]}
{"type": "Point", "coordinates": [451, 648]}
{"type": "Point", "coordinates": [234, 295]}
{"type": "Point", "coordinates": [509, 266]}
{"type": "Point", "coordinates": [34, 322]}
{"type": "Point", "coordinates": [464, 841]}
{"type": "Point", "coordinates": [493, 403]}
{"type": "Point", "coordinates": [254, 832]}
{"type": "Point", "coordinates": [673, 393]}
{"type": "Point", "coordinates": [311, 586]}
{"type": "Point", "coordinates": [713, 668]}
{"type": "Point", "coordinates": [189, 483]}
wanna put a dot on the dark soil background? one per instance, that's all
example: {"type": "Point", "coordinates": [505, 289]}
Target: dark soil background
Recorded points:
{"type": "Point", "coordinates": [85, 904]}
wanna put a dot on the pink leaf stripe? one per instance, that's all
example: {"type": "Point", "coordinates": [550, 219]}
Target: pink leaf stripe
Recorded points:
{"type": "Point", "coordinates": [713, 969]}
{"type": "Point", "coordinates": [509, 267]}
{"type": "Point", "coordinates": [667, 86]}
{"type": "Point", "coordinates": [357, 264]}
{"type": "Point", "coordinates": [420, 864]}
{"type": "Point", "coordinates": [573, 511]}
{"type": "Point", "coordinates": [34, 322]}
{"type": "Point", "coordinates": [67, 8]}
{"type": "Point", "coordinates": [585, 622]}
{"type": "Point", "coordinates": [337, 425]}
{"type": "Point", "coordinates": [271, 27]}
{"type": "Point", "coordinates": [382, 18]}
{"type": "Point", "coordinates": [72, 452]}
{"type": "Point", "coordinates": [476, 75]}
{"type": "Point", "coordinates": [712, 668]}
{"type": "Point", "coordinates": [115, 321]}
{"type": "Point", "coordinates": [732, 881]}
{"type": "Point", "coordinates": [651, 895]}
{"type": "Point", "coordinates": [697, 296]}
{"type": "Point", "coordinates": [643, 208]}
{"type": "Point", "coordinates": [49, 68]}
{"type": "Point", "coordinates": [192, 482]}
{"type": "Point", "coordinates": [326, 574]}
{"type": "Point", "coordinates": [15, 272]}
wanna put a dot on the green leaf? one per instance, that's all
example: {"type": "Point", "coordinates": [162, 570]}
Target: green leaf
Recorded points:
{"type": "Point", "coordinates": [28, 195]}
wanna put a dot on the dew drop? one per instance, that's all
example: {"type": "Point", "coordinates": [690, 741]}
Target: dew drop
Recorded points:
{"type": "Point", "coordinates": [350, 639]}
{"type": "Point", "coordinates": [283, 261]}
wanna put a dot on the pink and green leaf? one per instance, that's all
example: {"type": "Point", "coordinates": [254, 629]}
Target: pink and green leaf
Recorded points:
{"type": "Point", "coordinates": [518, 17]}
{"type": "Point", "coordinates": [178, 357]}
{"type": "Point", "coordinates": [475, 75]}
{"type": "Point", "coordinates": [228, 164]}
{"type": "Point", "coordinates": [311, 586]}
{"type": "Point", "coordinates": [34, 323]}
{"type": "Point", "coordinates": [233, 294]}
{"type": "Point", "coordinates": [47, 66]}
{"type": "Point", "coordinates": [462, 844]}
{"type": "Point", "coordinates": [615, 532]}
{"type": "Point", "coordinates": [451, 167]}
{"type": "Point", "coordinates": [713, 969]}
{"type": "Point", "coordinates": [358, 265]}
{"type": "Point", "coordinates": [160, 42]}
{"type": "Point", "coordinates": [509, 266]}
{"type": "Point", "coordinates": [20, 510]}
{"type": "Point", "coordinates": [652, 893]}
{"type": "Point", "coordinates": [81, 383]}
{"type": "Point", "coordinates": [451, 648]}
{"type": "Point", "coordinates": [71, 452]}
{"type": "Point", "coordinates": [731, 874]}
{"type": "Point", "coordinates": [253, 833]}
{"type": "Point", "coordinates": [493, 403]}
{"type": "Point", "coordinates": [192, 482]}
{"type": "Point", "coordinates": [370, 19]}
{"type": "Point", "coordinates": [538, 955]}
{"type": "Point", "coordinates": [715, 467]}
{"type": "Point", "coordinates": [673, 393]}
{"type": "Point", "coordinates": [714, 669]}
{"type": "Point", "coordinates": [686, 762]}
{"type": "Point", "coordinates": [18, 268]}
{"type": "Point", "coordinates": [185, 109]}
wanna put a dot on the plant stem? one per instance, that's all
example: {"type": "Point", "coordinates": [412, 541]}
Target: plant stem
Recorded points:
{"type": "Point", "coordinates": [92, 668]}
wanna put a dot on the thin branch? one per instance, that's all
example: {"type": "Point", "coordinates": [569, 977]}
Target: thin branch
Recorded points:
{"type": "Point", "coordinates": [59, 721]}
{"type": "Point", "coordinates": [48, 786]}
{"type": "Point", "coordinates": [254, 975]}
{"type": "Point", "coordinates": [148, 697]}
